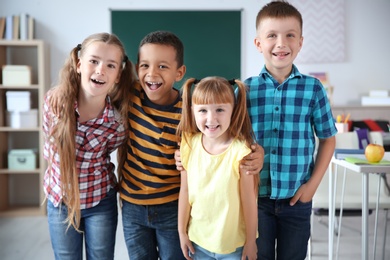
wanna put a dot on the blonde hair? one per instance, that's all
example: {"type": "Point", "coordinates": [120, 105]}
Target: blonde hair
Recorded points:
{"type": "Point", "coordinates": [216, 90]}
{"type": "Point", "coordinates": [63, 132]}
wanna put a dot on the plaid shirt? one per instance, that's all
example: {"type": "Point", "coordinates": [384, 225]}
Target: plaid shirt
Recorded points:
{"type": "Point", "coordinates": [95, 140]}
{"type": "Point", "coordinates": [285, 118]}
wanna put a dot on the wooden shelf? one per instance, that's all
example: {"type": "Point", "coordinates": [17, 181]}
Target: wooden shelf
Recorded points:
{"type": "Point", "coordinates": [8, 171]}
{"type": "Point", "coordinates": [19, 211]}
{"type": "Point", "coordinates": [34, 86]}
{"type": "Point", "coordinates": [363, 112]}
{"type": "Point", "coordinates": [21, 191]}
{"type": "Point", "coordinates": [22, 129]}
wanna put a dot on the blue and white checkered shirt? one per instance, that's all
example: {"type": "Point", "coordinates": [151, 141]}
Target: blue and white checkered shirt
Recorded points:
{"type": "Point", "coordinates": [285, 119]}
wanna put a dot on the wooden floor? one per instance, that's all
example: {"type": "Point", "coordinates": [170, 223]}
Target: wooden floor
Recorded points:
{"type": "Point", "coordinates": [27, 238]}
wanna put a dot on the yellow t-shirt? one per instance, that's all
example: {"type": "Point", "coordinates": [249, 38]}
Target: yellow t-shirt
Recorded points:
{"type": "Point", "coordinates": [216, 220]}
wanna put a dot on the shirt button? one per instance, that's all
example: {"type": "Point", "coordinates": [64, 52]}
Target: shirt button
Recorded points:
{"type": "Point", "coordinates": [273, 152]}
{"type": "Point", "coordinates": [275, 130]}
{"type": "Point", "coordinates": [276, 108]}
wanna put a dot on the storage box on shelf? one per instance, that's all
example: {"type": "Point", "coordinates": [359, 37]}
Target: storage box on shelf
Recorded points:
{"type": "Point", "coordinates": [21, 162]}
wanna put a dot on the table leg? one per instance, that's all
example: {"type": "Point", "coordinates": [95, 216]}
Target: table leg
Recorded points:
{"type": "Point", "coordinates": [365, 216]}
{"type": "Point", "coordinates": [331, 215]}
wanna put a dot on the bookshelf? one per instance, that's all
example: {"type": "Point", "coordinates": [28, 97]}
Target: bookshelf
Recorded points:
{"type": "Point", "coordinates": [21, 191]}
{"type": "Point", "coordinates": [363, 112]}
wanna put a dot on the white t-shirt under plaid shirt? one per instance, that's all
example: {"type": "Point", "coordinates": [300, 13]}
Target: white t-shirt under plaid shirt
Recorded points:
{"type": "Point", "coordinates": [95, 140]}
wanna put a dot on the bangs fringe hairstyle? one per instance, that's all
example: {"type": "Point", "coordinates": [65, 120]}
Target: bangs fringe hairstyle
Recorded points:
{"type": "Point", "coordinates": [63, 122]}
{"type": "Point", "coordinates": [216, 90]}
{"type": "Point", "coordinates": [279, 9]}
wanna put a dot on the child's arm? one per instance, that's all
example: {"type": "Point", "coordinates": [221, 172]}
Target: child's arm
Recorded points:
{"type": "Point", "coordinates": [184, 216]}
{"type": "Point", "coordinates": [248, 193]}
{"type": "Point", "coordinates": [325, 152]}
{"type": "Point", "coordinates": [253, 162]}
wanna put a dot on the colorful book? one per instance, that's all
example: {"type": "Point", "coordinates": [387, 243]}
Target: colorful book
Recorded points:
{"type": "Point", "coordinates": [343, 153]}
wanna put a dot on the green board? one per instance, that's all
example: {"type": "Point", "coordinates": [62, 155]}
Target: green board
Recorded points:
{"type": "Point", "coordinates": [212, 39]}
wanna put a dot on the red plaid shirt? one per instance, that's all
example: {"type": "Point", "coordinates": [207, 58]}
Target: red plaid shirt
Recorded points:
{"type": "Point", "coordinates": [95, 140]}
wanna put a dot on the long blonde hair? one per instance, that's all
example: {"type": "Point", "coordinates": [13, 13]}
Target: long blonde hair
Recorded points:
{"type": "Point", "coordinates": [63, 132]}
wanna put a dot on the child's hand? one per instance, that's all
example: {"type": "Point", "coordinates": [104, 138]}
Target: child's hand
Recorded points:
{"type": "Point", "coordinates": [303, 194]}
{"type": "Point", "coordinates": [186, 246]}
{"type": "Point", "coordinates": [253, 162]}
{"type": "Point", "coordinates": [179, 166]}
{"type": "Point", "coordinates": [250, 251]}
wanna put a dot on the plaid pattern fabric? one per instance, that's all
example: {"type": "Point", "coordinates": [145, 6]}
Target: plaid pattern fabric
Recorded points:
{"type": "Point", "coordinates": [285, 118]}
{"type": "Point", "coordinates": [95, 140]}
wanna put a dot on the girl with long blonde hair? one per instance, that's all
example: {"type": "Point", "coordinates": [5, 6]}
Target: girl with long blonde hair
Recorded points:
{"type": "Point", "coordinates": [84, 121]}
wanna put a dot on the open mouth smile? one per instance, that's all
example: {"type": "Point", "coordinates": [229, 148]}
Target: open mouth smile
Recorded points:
{"type": "Point", "coordinates": [96, 81]}
{"type": "Point", "coordinates": [153, 85]}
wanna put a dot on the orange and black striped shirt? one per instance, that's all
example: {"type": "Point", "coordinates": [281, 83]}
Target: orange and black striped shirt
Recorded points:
{"type": "Point", "coordinates": [149, 173]}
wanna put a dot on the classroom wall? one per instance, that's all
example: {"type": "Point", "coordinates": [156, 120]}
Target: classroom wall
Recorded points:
{"type": "Point", "coordinates": [64, 24]}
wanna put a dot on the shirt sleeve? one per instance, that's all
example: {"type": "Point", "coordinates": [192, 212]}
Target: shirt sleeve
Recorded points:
{"type": "Point", "coordinates": [323, 117]}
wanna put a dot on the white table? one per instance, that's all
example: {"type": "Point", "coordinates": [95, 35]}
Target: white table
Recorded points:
{"type": "Point", "coordinates": [365, 170]}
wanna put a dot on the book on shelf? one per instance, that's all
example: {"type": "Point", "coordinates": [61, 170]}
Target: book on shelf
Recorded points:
{"type": "Point", "coordinates": [16, 27]}
{"type": "Point", "coordinates": [9, 30]}
{"type": "Point", "coordinates": [31, 28]}
{"type": "Point", "coordinates": [24, 20]}
{"type": "Point", "coordinates": [2, 27]}
{"type": "Point", "coordinates": [341, 154]}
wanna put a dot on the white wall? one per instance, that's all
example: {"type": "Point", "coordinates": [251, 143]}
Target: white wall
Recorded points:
{"type": "Point", "coordinates": [63, 24]}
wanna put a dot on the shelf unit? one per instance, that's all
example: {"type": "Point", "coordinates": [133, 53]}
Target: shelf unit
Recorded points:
{"type": "Point", "coordinates": [363, 112]}
{"type": "Point", "coordinates": [21, 191]}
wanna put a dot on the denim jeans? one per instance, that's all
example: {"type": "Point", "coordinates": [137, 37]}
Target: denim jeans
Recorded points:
{"type": "Point", "coordinates": [98, 226]}
{"type": "Point", "coordinates": [287, 226]}
{"type": "Point", "coordinates": [203, 254]}
{"type": "Point", "coordinates": [151, 231]}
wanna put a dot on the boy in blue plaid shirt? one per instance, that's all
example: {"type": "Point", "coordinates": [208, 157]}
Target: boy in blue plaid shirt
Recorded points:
{"type": "Point", "coordinates": [287, 110]}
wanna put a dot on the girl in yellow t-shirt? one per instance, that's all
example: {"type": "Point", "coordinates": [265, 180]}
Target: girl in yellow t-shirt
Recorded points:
{"type": "Point", "coordinates": [217, 202]}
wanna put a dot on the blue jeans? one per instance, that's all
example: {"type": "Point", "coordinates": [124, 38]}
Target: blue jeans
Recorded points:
{"type": "Point", "coordinates": [98, 226]}
{"type": "Point", "coordinates": [151, 231]}
{"type": "Point", "coordinates": [203, 254]}
{"type": "Point", "coordinates": [288, 226]}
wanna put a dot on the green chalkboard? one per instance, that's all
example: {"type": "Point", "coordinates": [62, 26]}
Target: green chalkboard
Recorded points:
{"type": "Point", "coordinates": [212, 39]}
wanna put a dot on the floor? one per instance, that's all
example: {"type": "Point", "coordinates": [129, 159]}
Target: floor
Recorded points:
{"type": "Point", "coordinates": [27, 238]}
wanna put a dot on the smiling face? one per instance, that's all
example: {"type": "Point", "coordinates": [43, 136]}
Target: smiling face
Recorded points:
{"type": "Point", "coordinates": [213, 120]}
{"type": "Point", "coordinates": [280, 40]}
{"type": "Point", "coordinates": [158, 71]}
{"type": "Point", "coordinates": [100, 67]}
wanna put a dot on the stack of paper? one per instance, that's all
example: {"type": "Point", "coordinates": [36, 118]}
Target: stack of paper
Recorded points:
{"type": "Point", "coordinates": [376, 98]}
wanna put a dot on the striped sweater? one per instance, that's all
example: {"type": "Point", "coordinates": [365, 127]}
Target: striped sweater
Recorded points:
{"type": "Point", "coordinates": [149, 173]}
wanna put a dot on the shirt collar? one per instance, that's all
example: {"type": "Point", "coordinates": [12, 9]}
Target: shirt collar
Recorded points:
{"type": "Point", "coordinates": [294, 73]}
{"type": "Point", "coordinates": [107, 116]}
